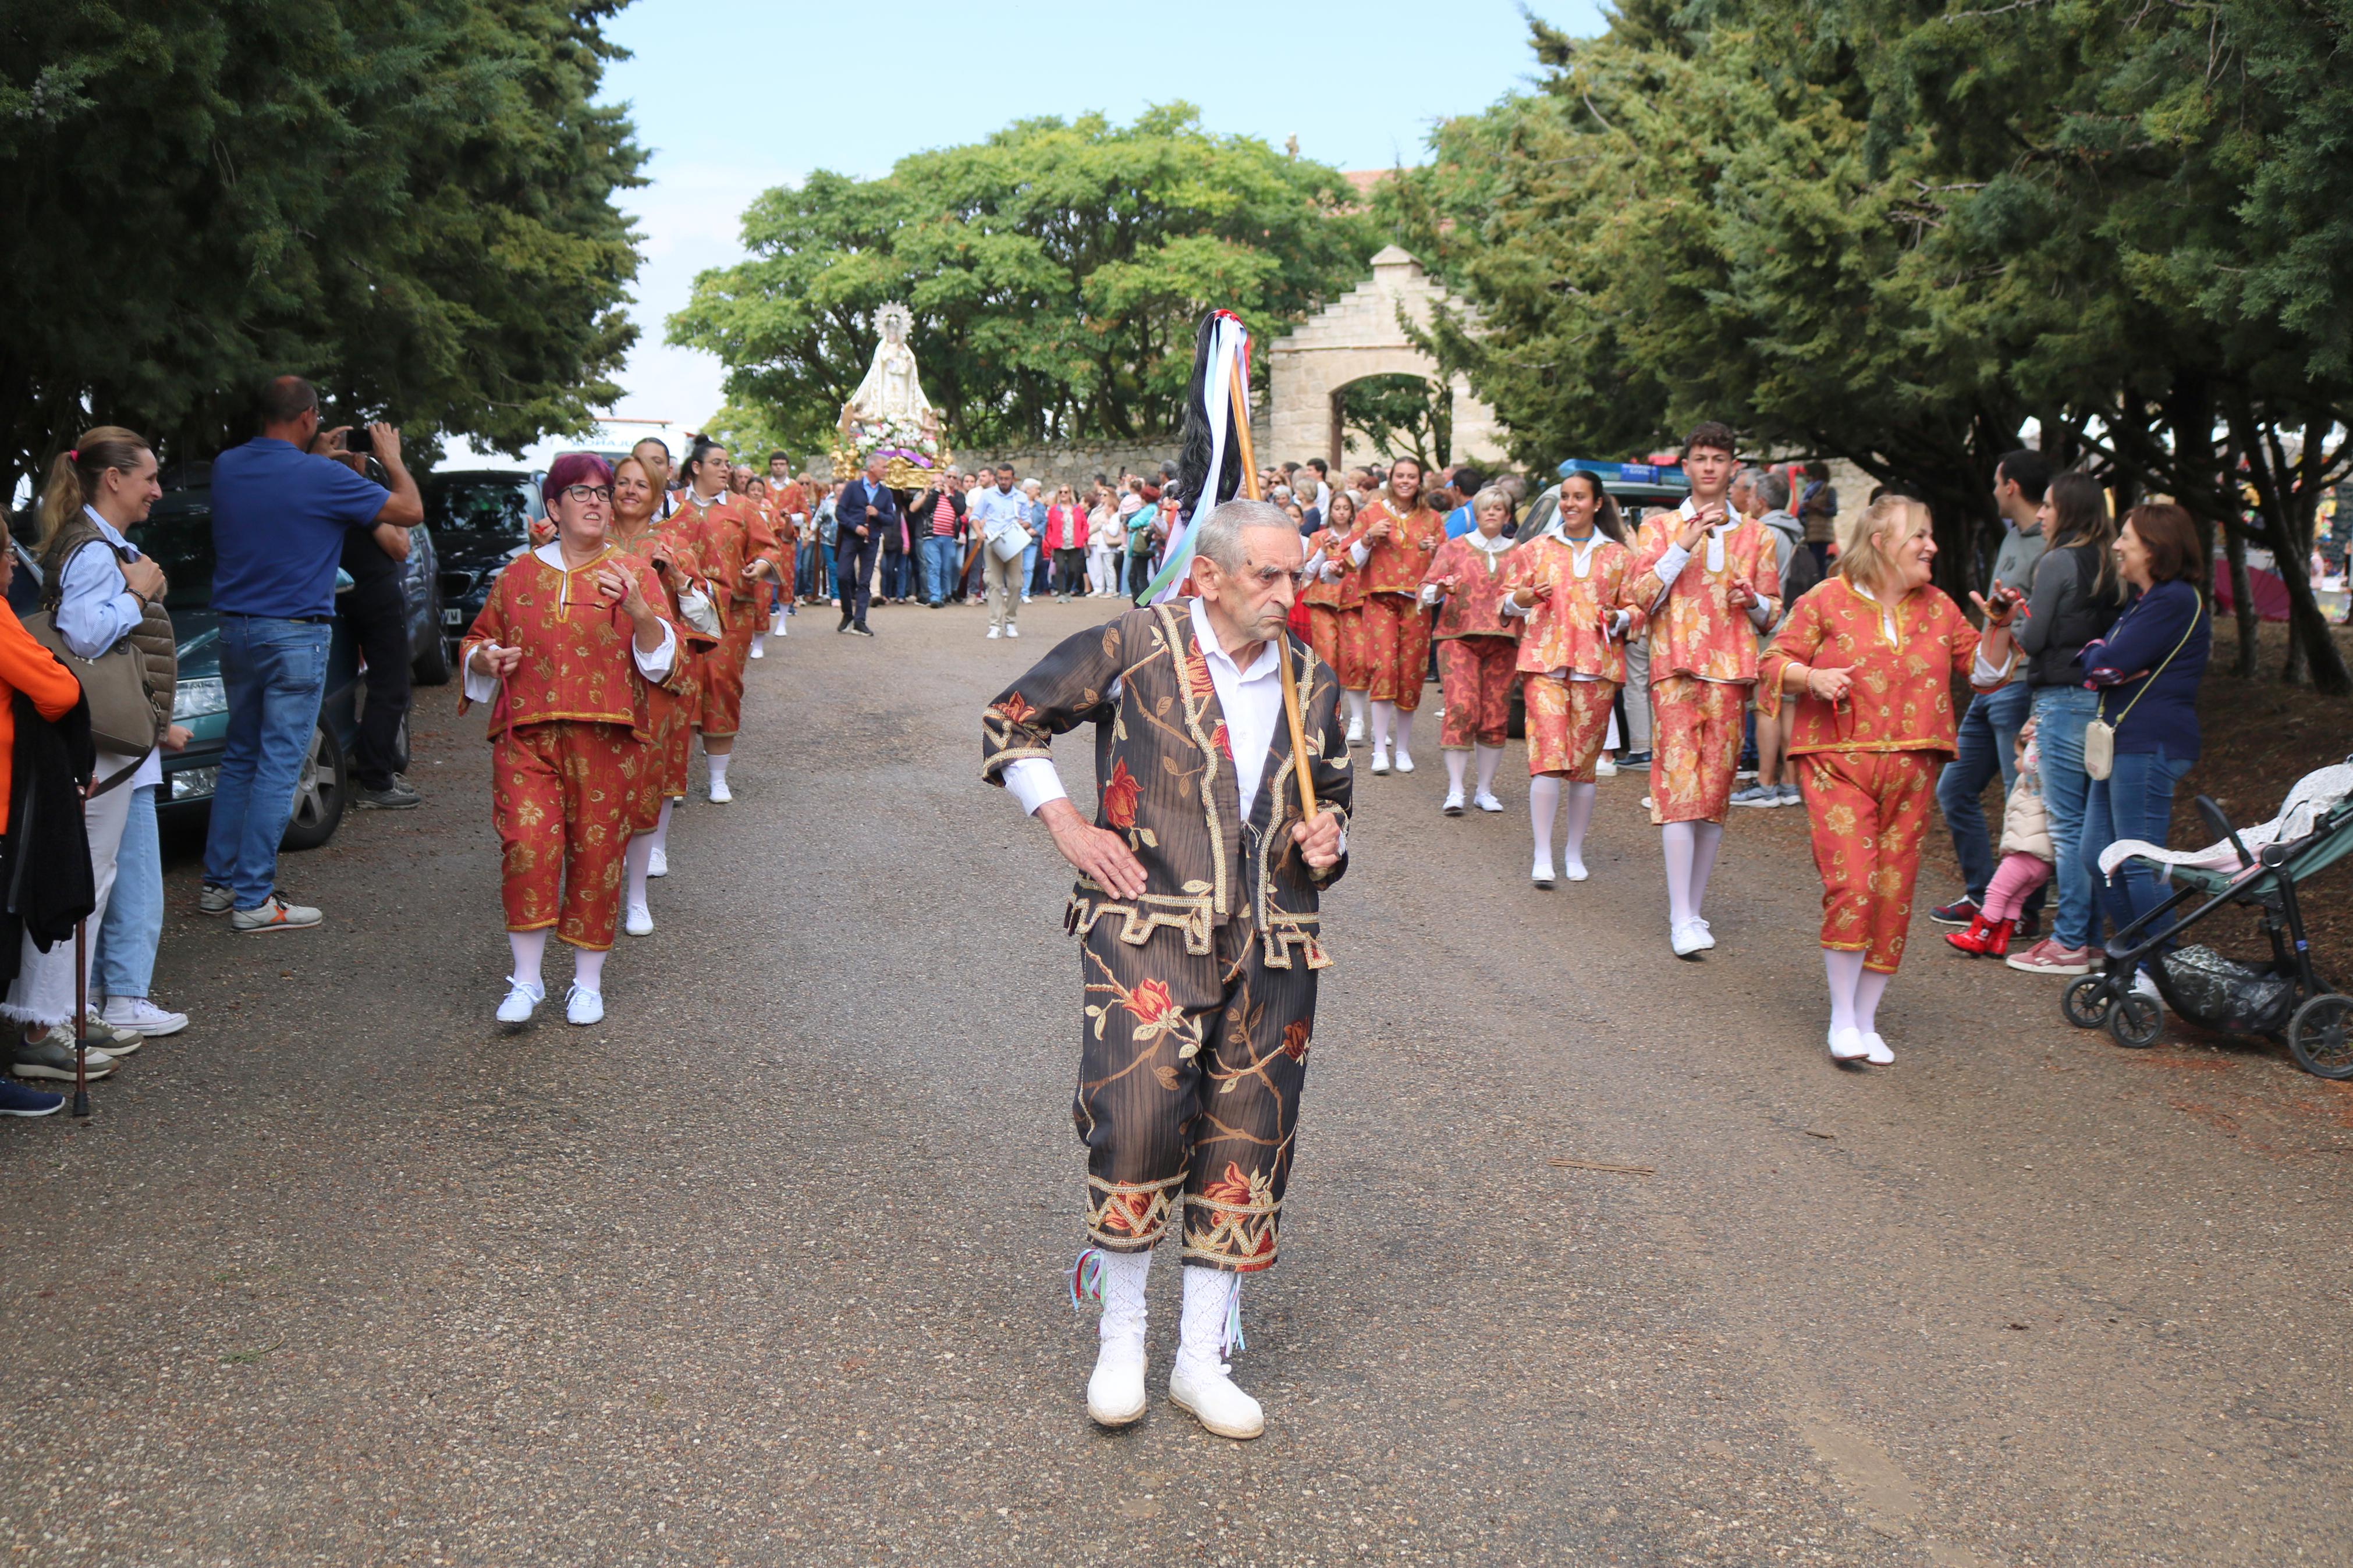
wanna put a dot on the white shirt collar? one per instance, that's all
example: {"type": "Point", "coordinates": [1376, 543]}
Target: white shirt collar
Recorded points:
{"type": "Point", "coordinates": [1491, 546]}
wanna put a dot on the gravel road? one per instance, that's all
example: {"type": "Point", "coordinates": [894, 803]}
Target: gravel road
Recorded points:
{"type": "Point", "coordinates": [766, 1269]}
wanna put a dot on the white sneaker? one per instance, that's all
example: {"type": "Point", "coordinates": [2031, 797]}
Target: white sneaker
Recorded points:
{"type": "Point", "coordinates": [996, 632]}
{"type": "Point", "coordinates": [1876, 1049]}
{"type": "Point", "coordinates": [1404, 761]}
{"type": "Point", "coordinates": [1380, 761]}
{"type": "Point", "coordinates": [1687, 939]}
{"type": "Point", "coordinates": [1214, 1401]}
{"type": "Point", "coordinates": [657, 863]}
{"type": "Point", "coordinates": [1355, 730]}
{"type": "Point", "coordinates": [1485, 801]}
{"type": "Point", "coordinates": [1115, 1392]}
{"type": "Point", "coordinates": [1541, 875]}
{"type": "Point", "coordinates": [583, 1006]}
{"type": "Point", "coordinates": [142, 1016]}
{"type": "Point", "coordinates": [641, 921]}
{"type": "Point", "coordinates": [521, 1000]}
{"type": "Point", "coordinates": [1847, 1044]}
{"type": "Point", "coordinates": [1014, 631]}
{"type": "Point", "coordinates": [1453, 807]}
{"type": "Point", "coordinates": [1604, 767]}
{"type": "Point", "coordinates": [720, 793]}
{"type": "Point", "coordinates": [1574, 871]}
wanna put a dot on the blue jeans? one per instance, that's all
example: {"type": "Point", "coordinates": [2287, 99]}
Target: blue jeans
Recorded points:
{"type": "Point", "coordinates": [125, 957]}
{"type": "Point", "coordinates": [1987, 744]}
{"type": "Point", "coordinates": [942, 561]}
{"type": "Point", "coordinates": [2060, 714]}
{"type": "Point", "coordinates": [274, 673]}
{"type": "Point", "coordinates": [2134, 801]}
{"type": "Point", "coordinates": [1028, 568]}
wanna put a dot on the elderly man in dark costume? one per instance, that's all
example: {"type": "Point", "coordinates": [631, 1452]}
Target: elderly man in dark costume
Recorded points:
{"type": "Point", "coordinates": [1196, 907]}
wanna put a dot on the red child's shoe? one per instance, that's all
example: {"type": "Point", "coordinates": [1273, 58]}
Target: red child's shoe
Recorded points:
{"type": "Point", "coordinates": [1996, 939]}
{"type": "Point", "coordinates": [1973, 940]}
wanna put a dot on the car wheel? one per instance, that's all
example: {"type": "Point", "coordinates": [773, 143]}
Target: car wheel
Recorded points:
{"type": "Point", "coordinates": [319, 794]}
{"type": "Point", "coordinates": [431, 668]}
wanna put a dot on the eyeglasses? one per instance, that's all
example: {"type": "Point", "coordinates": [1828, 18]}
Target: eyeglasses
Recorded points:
{"type": "Point", "coordinates": [579, 493]}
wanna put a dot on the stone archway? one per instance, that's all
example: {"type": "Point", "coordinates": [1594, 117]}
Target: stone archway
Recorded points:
{"type": "Point", "coordinates": [1356, 336]}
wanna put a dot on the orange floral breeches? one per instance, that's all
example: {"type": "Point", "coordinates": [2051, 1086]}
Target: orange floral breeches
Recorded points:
{"type": "Point", "coordinates": [1694, 747]}
{"type": "Point", "coordinates": [1337, 636]}
{"type": "Point", "coordinates": [1567, 722]}
{"type": "Point", "coordinates": [1867, 811]}
{"type": "Point", "coordinates": [561, 798]}
{"type": "Point", "coordinates": [1474, 676]}
{"type": "Point", "coordinates": [1396, 648]}
{"type": "Point", "coordinates": [721, 671]}
{"type": "Point", "coordinates": [671, 714]}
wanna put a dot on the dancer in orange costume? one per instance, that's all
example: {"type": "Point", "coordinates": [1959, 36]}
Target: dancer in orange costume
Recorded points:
{"type": "Point", "coordinates": [789, 507]}
{"type": "Point", "coordinates": [573, 637]}
{"type": "Point", "coordinates": [1336, 608]}
{"type": "Point", "coordinates": [1571, 586]}
{"type": "Point", "coordinates": [1399, 535]}
{"type": "Point", "coordinates": [1477, 647]}
{"type": "Point", "coordinates": [1705, 578]}
{"type": "Point", "coordinates": [1868, 659]}
{"type": "Point", "coordinates": [731, 562]}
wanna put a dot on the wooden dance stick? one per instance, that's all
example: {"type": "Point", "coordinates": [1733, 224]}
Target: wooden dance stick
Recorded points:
{"type": "Point", "coordinates": [1283, 641]}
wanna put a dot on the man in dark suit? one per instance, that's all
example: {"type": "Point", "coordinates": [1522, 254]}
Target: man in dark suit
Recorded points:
{"type": "Point", "coordinates": [867, 511]}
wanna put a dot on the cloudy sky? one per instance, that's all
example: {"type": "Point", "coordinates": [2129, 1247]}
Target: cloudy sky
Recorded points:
{"type": "Point", "coordinates": [735, 96]}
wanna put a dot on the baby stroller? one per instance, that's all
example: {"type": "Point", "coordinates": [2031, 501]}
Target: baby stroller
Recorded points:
{"type": "Point", "coordinates": [2258, 868]}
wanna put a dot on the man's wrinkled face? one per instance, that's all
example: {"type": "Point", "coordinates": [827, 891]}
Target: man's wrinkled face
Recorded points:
{"type": "Point", "coordinates": [1256, 600]}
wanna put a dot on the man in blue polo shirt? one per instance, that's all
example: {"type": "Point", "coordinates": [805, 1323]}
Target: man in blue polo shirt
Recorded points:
{"type": "Point", "coordinates": [280, 515]}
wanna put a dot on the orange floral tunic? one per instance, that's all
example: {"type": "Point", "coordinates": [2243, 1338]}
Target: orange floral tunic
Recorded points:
{"type": "Point", "coordinates": [576, 663]}
{"type": "Point", "coordinates": [1474, 608]}
{"type": "Point", "coordinates": [1564, 632]}
{"type": "Point", "coordinates": [1348, 593]}
{"type": "Point", "coordinates": [721, 538]}
{"type": "Point", "coordinates": [1698, 631]}
{"type": "Point", "coordinates": [1396, 565]}
{"type": "Point", "coordinates": [1903, 659]}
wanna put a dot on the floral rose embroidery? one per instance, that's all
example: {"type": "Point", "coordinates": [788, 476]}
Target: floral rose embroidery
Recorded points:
{"type": "Point", "coordinates": [1016, 709]}
{"type": "Point", "coordinates": [1294, 1040]}
{"type": "Point", "coordinates": [1197, 684]}
{"type": "Point", "coordinates": [1119, 796]}
{"type": "Point", "coordinates": [1233, 1188]}
{"type": "Point", "coordinates": [1150, 1002]}
{"type": "Point", "coordinates": [1222, 742]}
{"type": "Point", "coordinates": [1130, 1212]}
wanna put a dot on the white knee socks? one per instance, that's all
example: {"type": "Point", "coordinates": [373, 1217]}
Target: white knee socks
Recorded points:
{"type": "Point", "coordinates": [1543, 800]}
{"type": "Point", "coordinates": [1457, 763]}
{"type": "Point", "coordinates": [1691, 856]}
{"type": "Point", "coordinates": [1489, 756]}
{"type": "Point", "coordinates": [588, 969]}
{"type": "Point", "coordinates": [1123, 1275]}
{"type": "Point", "coordinates": [1384, 716]}
{"type": "Point", "coordinates": [717, 761]}
{"type": "Point", "coordinates": [530, 947]}
{"type": "Point", "coordinates": [1580, 812]}
{"type": "Point", "coordinates": [659, 837]}
{"type": "Point", "coordinates": [1845, 970]}
{"type": "Point", "coordinates": [1212, 1321]}
{"type": "Point", "coordinates": [759, 645]}
{"type": "Point", "coordinates": [1870, 986]}
{"type": "Point", "coordinates": [641, 856]}
{"type": "Point", "coordinates": [1404, 732]}
{"type": "Point", "coordinates": [1359, 705]}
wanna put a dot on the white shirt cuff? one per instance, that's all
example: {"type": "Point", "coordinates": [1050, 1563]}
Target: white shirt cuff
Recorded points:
{"type": "Point", "coordinates": [1760, 615]}
{"type": "Point", "coordinates": [479, 687]}
{"type": "Point", "coordinates": [1984, 674]}
{"type": "Point", "coordinates": [1512, 605]}
{"type": "Point", "coordinates": [1670, 565]}
{"type": "Point", "coordinates": [1430, 592]}
{"type": "Point", "coordinates": [1360, 552]}
{"type": "Point", "coordinates": [1033, 782]}
{"type": "Point", "coordinates": [656, 666]}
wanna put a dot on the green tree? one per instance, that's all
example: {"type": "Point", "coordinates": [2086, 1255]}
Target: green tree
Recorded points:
{"type": "Point", "coordinates": [1402, 417]}
{"type": "Point", "coordinates": [410, 204]}
{"type": "Point", "coordinates": [1056, 273]}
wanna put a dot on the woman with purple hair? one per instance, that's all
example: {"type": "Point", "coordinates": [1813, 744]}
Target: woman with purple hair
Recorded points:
{"type": "Point", "coordinates": [573, 635]}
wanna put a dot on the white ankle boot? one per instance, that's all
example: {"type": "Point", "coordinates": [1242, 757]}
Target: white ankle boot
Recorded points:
{"type": "Point", "coordinates": [1200, 1383]}
{"type": "Point", "coordinates": [1115, 1392]}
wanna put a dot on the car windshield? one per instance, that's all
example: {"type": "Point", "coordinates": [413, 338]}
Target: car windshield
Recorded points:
{"type": "Point", "coordinates": [179, 534]}
{"type": "Point", "coordinates": [496, 507]}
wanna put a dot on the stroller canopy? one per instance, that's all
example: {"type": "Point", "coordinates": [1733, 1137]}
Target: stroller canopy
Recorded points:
{"type": "Point", "coordinates": [2318, 798]}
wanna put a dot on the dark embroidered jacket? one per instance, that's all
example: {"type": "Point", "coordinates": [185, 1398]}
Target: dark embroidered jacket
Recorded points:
{"type": "Point", "coordinates": [1166, 776]}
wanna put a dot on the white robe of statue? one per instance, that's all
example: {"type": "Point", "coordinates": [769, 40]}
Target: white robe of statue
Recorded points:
{"type": "Point", "coordinates": [891, 391]}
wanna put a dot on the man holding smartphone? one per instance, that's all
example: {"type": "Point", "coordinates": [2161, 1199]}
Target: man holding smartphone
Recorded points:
{"type": "Point", "coordinates": [376, 609]}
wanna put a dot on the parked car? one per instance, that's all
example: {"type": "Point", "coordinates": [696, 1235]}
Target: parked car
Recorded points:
{"type": "Point", "coordinates": [480, 519]}
{"type": "Point", "coordinates": [179, 534]}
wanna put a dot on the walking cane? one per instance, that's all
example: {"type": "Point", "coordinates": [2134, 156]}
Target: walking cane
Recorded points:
{"type": "Point", "coordinates": [81, 1020]}
{"type": "Point", "coordinates": [1282, 638]}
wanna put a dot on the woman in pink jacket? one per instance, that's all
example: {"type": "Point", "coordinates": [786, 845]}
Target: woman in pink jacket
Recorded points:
{"type": "Point", "coordinates": [1066, 542]}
